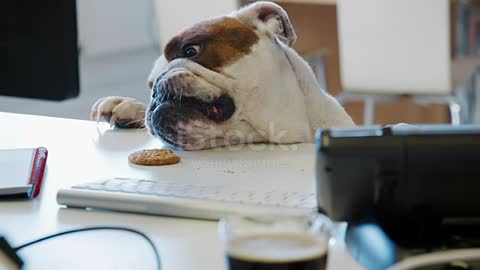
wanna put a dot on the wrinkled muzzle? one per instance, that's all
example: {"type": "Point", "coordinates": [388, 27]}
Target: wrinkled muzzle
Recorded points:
{"type": "Point", "coordinates": [175, 103]}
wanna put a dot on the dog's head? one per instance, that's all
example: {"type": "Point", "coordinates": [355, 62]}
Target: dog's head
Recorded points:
{"type": "Point", "coordinates": [228, 80]}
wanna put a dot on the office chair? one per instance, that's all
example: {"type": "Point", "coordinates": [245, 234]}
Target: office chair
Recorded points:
{"type": "Point", "coordinates": [391, 48]}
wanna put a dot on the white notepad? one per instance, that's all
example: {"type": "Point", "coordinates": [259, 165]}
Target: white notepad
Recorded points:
{"type": "Point", "coordinates": [21, 171]}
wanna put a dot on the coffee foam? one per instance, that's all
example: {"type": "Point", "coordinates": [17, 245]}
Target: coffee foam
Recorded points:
{"type": "Point", "coordinates": [277, 248]}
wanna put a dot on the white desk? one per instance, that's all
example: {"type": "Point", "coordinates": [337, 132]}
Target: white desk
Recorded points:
{"type": "Point", "coordinates": [81, 151]}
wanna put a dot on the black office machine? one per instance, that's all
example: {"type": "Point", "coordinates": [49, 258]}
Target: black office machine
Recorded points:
{"type": "Point", "coordinates": [412, 189]}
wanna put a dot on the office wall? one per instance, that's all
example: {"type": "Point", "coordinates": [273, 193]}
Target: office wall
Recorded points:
{"type": "Point", "coordinates": [174, 16]}
{"type": "Point", "coordinates": [110, 26]}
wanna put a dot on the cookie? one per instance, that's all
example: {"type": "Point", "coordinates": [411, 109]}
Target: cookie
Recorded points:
{"type": "Point", "coordinates": [152, 157]}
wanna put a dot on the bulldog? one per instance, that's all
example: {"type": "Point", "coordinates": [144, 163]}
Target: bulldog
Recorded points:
{"type": "Point", "coordinates": [230, 80]}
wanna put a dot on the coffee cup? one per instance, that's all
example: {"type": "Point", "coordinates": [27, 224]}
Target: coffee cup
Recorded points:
{"type": "Point", "coordinates": [276, 242]}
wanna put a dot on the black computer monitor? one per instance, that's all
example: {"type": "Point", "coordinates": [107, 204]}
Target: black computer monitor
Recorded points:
{"type": "Point", "coordinates": [39, 51]}
{"type": "Point", "coordinates": [404, 190]}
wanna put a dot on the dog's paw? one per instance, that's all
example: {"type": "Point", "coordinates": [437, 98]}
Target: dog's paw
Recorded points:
{"type": "Point", "coordinates": [119, 111]}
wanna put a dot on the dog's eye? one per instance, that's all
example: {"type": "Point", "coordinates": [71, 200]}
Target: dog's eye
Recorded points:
{"type": "Point", "coordinates": [190, 50]}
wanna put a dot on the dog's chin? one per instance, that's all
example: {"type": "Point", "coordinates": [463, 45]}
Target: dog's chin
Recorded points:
{"type": "Point", "coordinates": [189, 123]}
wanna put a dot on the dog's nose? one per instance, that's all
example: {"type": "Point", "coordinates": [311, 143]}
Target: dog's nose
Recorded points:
{"type": "Point", "coordinates": [162, 116]}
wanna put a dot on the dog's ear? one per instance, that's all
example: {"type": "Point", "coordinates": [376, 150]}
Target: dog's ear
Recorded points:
{"type": "Point", "coordinates": [270, 17]}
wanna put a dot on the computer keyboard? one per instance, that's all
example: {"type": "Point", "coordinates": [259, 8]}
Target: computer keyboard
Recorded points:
{"type": "Point", "coordinates": [183, 200]}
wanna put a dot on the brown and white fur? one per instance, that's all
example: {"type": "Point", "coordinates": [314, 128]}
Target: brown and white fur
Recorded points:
{"type": "Point", "coordinates": [229, 80]}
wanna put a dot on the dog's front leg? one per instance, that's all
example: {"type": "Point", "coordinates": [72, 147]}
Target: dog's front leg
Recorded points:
{"type": "Point", "coordinates": [122, 112]}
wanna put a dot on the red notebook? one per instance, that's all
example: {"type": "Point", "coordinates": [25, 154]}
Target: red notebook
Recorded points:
{"type": "Point", "coordinates": [21, 172]}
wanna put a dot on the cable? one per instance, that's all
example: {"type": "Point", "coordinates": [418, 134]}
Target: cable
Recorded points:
{"type": "Point", "coordinates": [157, 255]}
{"type": "Point", "coordinates": [437, 258]}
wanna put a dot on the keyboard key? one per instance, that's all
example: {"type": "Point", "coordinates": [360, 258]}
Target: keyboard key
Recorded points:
{"type": "Point", "coordinates": [82, 186]}
{"type": "Point", "coordinates": [95, 187]}
{"type": "Point", "coordinates": [129, 187]}
{"type": "Point", "coordinates": [145, 189]}
{"type": "Point", "coordinates": [110, 187]}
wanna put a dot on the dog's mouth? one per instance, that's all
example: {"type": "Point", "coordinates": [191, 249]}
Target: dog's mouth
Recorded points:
{"type": "Point", "coordinates": [219, 110]}
{"type": "Point", "coordinates": [166, 115]}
